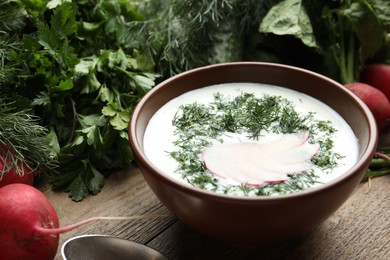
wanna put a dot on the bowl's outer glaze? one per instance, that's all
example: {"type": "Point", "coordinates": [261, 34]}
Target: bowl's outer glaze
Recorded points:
{"type": "Point", "coordinates": [255, 219]}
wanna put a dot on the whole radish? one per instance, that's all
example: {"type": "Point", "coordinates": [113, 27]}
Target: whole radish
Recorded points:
{"type": "Point", "coordinates": [24, 212]}
{"type": "Point", "coordinates": [375, 100]}
{"type": "Point", "coordinates": [377, 76]}
{"type": "Point", "coordinates": [29, 226]}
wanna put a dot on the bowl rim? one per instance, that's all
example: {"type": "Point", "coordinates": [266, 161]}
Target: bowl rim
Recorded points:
{"type": "Point", "coordinates": [181, 185]}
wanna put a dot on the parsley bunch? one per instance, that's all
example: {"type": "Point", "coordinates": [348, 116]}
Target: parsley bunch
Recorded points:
{"type": "Point", "coordinates": [80, 66]}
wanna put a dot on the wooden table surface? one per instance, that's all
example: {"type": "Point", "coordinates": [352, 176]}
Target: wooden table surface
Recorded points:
{"type": "Point", "coordinates": [360, 229]}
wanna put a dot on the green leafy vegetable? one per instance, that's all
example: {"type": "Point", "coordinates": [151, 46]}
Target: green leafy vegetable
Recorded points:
{"type": "Point", "coordinates": [24, 139]}
{"type": "Point", "coordinates": [289, 18]}
{"type": "Point", "coordinates": [80, 67]}
{"type": "Point", "coordinates": [347, 33]}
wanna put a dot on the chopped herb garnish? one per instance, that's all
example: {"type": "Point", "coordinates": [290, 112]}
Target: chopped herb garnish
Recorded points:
{"type": "Point", "coordinates": [201, 125]}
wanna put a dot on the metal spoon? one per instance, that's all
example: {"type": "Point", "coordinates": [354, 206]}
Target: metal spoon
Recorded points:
{"type": "Point", "coordinates": [96, 247]}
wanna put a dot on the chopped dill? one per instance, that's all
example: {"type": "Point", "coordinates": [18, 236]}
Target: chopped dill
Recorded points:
{"type": "Point", "coordinates": [198, 126]}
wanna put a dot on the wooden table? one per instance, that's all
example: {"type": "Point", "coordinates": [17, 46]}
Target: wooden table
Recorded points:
{"type": "Point", "coordinates": [360, 229]}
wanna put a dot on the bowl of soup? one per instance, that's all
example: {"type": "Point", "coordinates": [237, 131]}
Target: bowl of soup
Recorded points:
{"type": "Point", "coordinates": [252, 152]}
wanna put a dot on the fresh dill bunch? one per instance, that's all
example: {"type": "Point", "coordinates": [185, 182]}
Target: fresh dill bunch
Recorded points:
{"type": "Point", "coordinates": [251, 13]}
{"type": "Point", "coordinates": [12, 16]}
{"type": "Point", "coordinates": [185, 34]}
{"type": "Point", "coordinates": [8, 44]}
{"type": "Point", "coordinates": [190, 32]}
{"type": "Point", "coordinates": [24, 140]}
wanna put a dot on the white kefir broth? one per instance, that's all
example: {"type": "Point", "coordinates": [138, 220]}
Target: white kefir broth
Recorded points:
{"type": "Point", "coordinates": [159, 135]}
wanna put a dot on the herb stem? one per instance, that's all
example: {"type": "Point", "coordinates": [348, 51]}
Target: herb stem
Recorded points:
{"type": "Point", "coordinates": [373, 174]}
{"type": "Point", "coordinates": [379, 163]}
{"type": "Point", "coordinates": [350, 70]}
{"type": "Point", "coordinates": [74, 122]}
{"type": "Point", "coordinates": [343, 73]}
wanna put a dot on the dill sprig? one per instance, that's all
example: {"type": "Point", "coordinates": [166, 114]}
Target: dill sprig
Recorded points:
{"type": "Point", "coordinates": [11, 19]}
{"type": "Point", "coordinates": [188, 32]}
{"type": "Point", "coordinates": [24, 140]}
{"type": "Point", "coordinates": [200, 125]}
{"type": "Point", "coordinates": [8, 44]}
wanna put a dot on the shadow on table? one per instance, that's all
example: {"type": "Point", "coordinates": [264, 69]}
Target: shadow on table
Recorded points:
{"type": "Point", "coordinates": [180, 242]}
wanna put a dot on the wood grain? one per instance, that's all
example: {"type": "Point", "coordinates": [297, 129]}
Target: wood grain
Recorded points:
{"type": "Point", "coordinates": [360, 229]}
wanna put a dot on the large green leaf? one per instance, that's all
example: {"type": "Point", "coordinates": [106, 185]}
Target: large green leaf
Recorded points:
{"type": "Point", "coordinates": [289, 17]}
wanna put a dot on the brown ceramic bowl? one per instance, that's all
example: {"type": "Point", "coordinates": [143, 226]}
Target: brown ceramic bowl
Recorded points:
{"type": "Point", "coordinates": [255, 219]}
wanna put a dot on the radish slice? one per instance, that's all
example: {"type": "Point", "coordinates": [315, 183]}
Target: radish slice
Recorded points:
{"type": "Point", "coordinates": [254, 164]}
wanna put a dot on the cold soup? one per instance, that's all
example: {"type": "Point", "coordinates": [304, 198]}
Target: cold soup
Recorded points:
{"type": "Point", "coordinates": [250, 139]}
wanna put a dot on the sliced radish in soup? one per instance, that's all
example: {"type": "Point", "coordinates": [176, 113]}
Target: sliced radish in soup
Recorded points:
{"type": "Point", "coordinates": [256, 163]}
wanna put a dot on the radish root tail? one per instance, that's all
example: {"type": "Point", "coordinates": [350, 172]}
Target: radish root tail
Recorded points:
{"type": "Point", "coordinates": [56, 231]}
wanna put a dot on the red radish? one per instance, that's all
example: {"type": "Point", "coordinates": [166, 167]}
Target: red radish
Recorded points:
{"type": "Point", "coordinates": [24, 212]}
{"type": "Point", "coordinates": [29, 226]}
{"type": "Point", "coordinates": [376, 101]}
{"type": "Point", "coordinates": [253, 164]}
{"type": "Point", "coordinates": [9, 173]}
{"type": "Point", "coordinates": [13, 176]}
{"type": "Point", "coordinates": [377, 76]}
